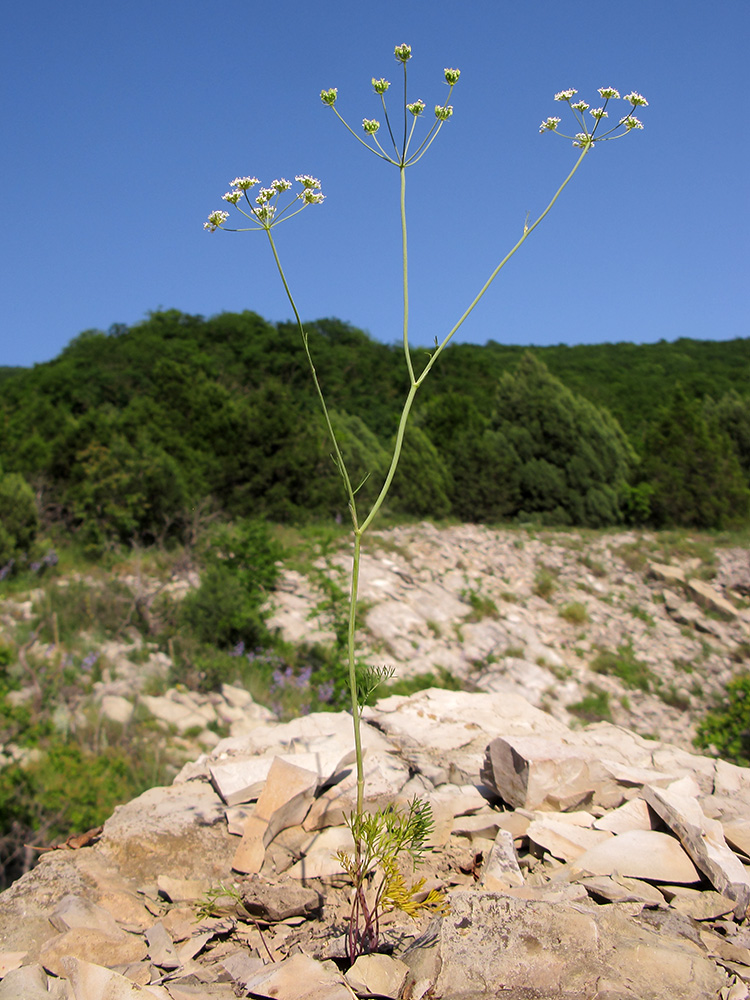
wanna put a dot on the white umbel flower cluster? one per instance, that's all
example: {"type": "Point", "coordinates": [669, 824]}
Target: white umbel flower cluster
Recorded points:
{"type": "Point", "coordinates": [264, 210]}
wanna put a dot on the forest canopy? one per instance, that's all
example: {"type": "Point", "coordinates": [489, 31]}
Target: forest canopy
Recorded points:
{"type": "Point", "coordinates": [128, 432]}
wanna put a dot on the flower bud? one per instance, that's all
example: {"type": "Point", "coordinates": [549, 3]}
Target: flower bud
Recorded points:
{"type": "Point", "coordinates": [609, 92]}
{"type": "Point", "coordinates": [443, 112]}
{"type": "Point", "coordinates": [549, 124]}
{"type": "Point", "coordinates": [403, 52]}
{"type": "Point", "coordinates": [636, 100]}
{"type": "Point", "coordinates": [329, 96]}
{"type": "Point", "coordinates": [452, 75]}
{"type": "Point", "coordinates": [416, 108]}
{"type": "Point", "coordinates": [215, 220]}
{"type": "Point", "coordinates": [380, 85]}
{"type": "Point", "coordinates": [370, 125]}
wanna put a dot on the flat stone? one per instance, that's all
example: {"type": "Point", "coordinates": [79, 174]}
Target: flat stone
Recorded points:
{"type": "Point", "coordinates": [77, 911]}
{"type": "Point", "coordinates": [300, 978]}
{"type": "Point", "coordinates": [10, 960]}
{"type": "Point", "coordinates": [666, 574]}
{"type": "Point", "coordinates": [242, 779]}
{"type": "Point", "coordinates": [116, 708]}
{"type": "Point", "coordinates": [622, 890]}
{"type": "Point", "coordinates": [645, 854]}
{"type": "Point", "coordinates": [701, 905]}
{"type": "Point", "coordinates": [705, 595]}
{"type": "Point", "coordinates": [182, 890]}
{"type": "Point", "coordinates": [481, 824]}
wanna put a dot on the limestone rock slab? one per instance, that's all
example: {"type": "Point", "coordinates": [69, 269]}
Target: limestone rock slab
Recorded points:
{"type": "Point", "coordinates": [702, 838]}
{"type": "Point", "coordinates": [558, 952]}
{"type": "Point", "coordinates": [646, 854]}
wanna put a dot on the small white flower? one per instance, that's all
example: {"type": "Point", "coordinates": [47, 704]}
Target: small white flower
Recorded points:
{"type": "Point", "coordinates": [582, 139]}
{"type": "Point", "coordinates": [370, 125]}
{"type": "Point", "coordinates": [416, 108]}
{"type": "Point", "coordinates": [243, 183]}
{"type": "Point", "coordinates": [549, 124]}
{"type": "Point", "coordinates": [631, 122]}
{"type": "Point", "coordinates": [565, 95]}
{"type": "Point", "coordinates": [264, 195]}
{"type": "Point", "coordinates": [636, 100]}
{"type": "Point", "coordinates": [281, 185]}
{"type": "Point", "coordinates": [599, 113]}
{"type": "Point", "coordinates": [311, 197]}
{"type": "Point", "coordinates": [580, 106]}
{"type": "Point", "coordinates": [380, 86]}
{"type": "Point", "coordinates": [215, 220]}
{"type": "Point", "coordinates": [608, 92]}
{"type": "Point", "coordinates": [443, 112]}
{"type": "Point", "coordinates": [232, 196]}
{"type": "Point", "coordinates": [265, 214]}
{"type": "Point", "coordinates": [307, 181]}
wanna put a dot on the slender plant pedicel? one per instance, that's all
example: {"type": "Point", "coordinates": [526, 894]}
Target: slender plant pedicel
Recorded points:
{"type": "Point", "coordinates": [382, 840]}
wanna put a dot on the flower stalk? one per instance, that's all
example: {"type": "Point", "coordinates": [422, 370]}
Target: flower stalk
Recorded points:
{"type": "Point", "coordinates": [381, 840]}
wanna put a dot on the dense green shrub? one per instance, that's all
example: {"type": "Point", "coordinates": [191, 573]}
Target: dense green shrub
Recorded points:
{"type": "Point", "coordinates": [727, 726]}
{"type": "Point", "coordinates": [240, 572]}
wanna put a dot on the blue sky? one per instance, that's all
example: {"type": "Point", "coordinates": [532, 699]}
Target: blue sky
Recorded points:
{"type": "Point", "coordinates": [124, 123]}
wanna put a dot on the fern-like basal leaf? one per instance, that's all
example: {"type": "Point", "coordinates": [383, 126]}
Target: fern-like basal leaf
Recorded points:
{"type": "Point", "coordinates": [348, 863]}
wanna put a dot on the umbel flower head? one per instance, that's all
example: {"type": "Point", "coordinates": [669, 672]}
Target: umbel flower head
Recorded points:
{"type": "Point", "coordinates": [264, 210]}
{"type": "Point", "coordinates": [586, 137]}
{"type": "Point", "coordinates": [401, 155]}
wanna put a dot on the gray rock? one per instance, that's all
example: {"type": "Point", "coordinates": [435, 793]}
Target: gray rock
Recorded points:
{"type": "Point", "coordinates": [280, 899]}
{"type": "Point", "coordinates": [558, 952]}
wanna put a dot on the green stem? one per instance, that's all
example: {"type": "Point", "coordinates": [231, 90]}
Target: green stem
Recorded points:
{"type": "Point", "coordinates": [405, 273]}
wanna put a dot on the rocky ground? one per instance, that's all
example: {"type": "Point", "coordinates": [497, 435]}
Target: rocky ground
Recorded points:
{"type": "Point", "coordinates": [573, 862]}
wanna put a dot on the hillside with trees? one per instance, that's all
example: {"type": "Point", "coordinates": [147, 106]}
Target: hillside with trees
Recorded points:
{"type": "Point", "coordinates": [128, 433]}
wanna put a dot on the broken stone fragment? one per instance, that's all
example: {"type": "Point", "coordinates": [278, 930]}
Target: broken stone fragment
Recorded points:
{"type": "Point", "coordinates": [284, 801]}
{"type": "Point", "coordinates": [89, 981]}
{"type": "Point", "coordinates": [533, 772]}
{"type": "Point", "coordinates": [161, 949]}
{"type": "Point", "coordinates": [564, 841]}
{"type": "Point", "coordinates": [501, 869]}
{"type": "Point", "coordinates": [91, 946]}
{"type": "Point", "coordinates": [30, 983]}
{"type": "Point", "coordinates": [385, 776]}
{"type": "Point", "coordinates": [76, 911]}
{"type": "Point", "coordinates": [279, 900]}
{"type": "Point", "coordinates": [702, 838]}
{"type": "Point", "coordinates": [378, 974]}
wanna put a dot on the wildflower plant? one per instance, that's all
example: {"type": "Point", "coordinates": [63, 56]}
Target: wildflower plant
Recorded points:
{"type": "Point", "coordinates": [383, 840]}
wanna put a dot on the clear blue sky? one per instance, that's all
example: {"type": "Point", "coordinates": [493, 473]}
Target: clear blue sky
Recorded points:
{"type": "Point", "coordinates": [123, 123]}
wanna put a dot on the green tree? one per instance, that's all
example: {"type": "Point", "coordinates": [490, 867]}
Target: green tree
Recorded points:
{"type": "Point", "coordinates": [19, 521]}
{"type": "Point", "coordinates": [573, 457]}
{"type": "Point", "coordinates": [422, 484]}
{"type": "Point", "coordinates": [692, 469]}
